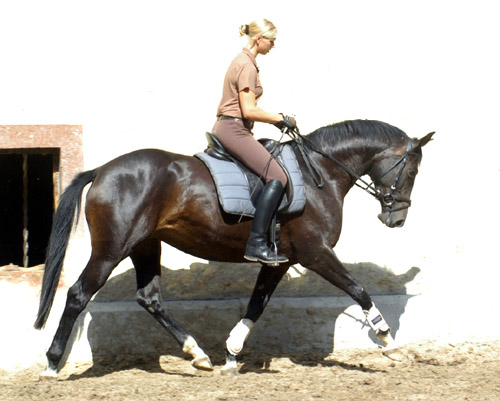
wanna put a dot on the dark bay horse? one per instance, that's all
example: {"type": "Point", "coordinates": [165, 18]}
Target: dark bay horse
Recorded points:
{"type": "Point", "coordinates": [142, 198]}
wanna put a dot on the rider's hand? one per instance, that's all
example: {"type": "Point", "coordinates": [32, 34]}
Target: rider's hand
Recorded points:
{"type": "Point", "coordinates": [288, 123]}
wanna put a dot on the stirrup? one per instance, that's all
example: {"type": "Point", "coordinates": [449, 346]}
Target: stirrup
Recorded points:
{"type": "Point", "coordinates": [274, 236]}
{"type": "Point", "coordinates": [277, 261]}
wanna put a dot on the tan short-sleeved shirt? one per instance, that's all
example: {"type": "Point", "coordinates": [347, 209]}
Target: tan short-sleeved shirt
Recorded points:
{"type": "Point", "coordinates": [243, 73]}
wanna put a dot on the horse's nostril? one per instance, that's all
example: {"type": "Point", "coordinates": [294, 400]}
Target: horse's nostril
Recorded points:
{"type": "Point", "coordinates": [399, 223]}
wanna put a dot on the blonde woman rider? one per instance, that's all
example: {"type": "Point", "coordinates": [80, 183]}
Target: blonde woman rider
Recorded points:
{"type": "Point", "coordinates": [236, 115]}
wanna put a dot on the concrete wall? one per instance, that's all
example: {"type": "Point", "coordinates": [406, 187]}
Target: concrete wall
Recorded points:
{"type": "Point", "coordinates": [149, 74]}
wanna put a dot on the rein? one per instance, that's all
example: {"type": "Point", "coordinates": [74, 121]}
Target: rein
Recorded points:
{"type": "Point", "coordinates": [387, 200]}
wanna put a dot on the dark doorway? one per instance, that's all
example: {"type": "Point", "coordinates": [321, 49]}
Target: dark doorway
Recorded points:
{"type": "Point", "coordinates": [11, 209]}
{"type": "Point", "coordinates": [28, 187]}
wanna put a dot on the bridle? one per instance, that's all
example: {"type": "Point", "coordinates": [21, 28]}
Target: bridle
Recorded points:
{"type": "Point", "coordinates": [392, 197]}
{"type": "Point", "coordinates": [387, 200]}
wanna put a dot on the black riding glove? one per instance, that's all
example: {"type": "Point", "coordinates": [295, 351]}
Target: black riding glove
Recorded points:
{"type": "Point", "coordinates": [288, 123]}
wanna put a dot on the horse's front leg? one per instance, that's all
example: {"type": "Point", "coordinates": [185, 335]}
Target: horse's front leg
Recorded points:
{"type": "Point", "coordinates": [328, 266]}
{"type": "Point", "coordinates": [266, 283]}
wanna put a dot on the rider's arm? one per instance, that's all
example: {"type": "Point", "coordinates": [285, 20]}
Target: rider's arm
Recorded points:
{"type": "Point", "coordinates": [250, 111]}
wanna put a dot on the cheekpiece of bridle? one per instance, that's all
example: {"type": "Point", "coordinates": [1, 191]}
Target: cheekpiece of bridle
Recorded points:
{"type": "Point", "coordinates": [388, 200]}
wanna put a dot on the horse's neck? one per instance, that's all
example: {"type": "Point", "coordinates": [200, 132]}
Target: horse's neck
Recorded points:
{"type": "Point", "coordinates": [357, 157]}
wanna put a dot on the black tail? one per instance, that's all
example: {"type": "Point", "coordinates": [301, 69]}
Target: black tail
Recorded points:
{"type": "Point", "coordinates": [64, 220]}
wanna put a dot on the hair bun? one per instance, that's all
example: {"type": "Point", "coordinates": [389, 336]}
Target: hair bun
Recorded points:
{"type": "Point", "coordinates": [244, 30]}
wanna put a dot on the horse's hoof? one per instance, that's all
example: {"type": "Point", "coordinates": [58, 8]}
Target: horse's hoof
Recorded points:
{"type": "Point", "coordinates": [386, 338]}
{"type": "Point", "coordinates": [203, 363]}
{"type": "Point", "coordinates": [48, 374]}
{"type": "Point", "coordinates": [231, 366]}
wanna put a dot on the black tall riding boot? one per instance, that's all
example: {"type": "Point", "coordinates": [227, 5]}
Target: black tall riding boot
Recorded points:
{"type": "Point", "coordinates": [257, 246]}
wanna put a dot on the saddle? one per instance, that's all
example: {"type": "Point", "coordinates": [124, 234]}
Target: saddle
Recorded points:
{"type": "Point", "coordinates": [239, 188]}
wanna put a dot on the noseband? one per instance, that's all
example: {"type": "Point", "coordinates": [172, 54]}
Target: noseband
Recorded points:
{"type": "Point", "coordinates": [387, 200]}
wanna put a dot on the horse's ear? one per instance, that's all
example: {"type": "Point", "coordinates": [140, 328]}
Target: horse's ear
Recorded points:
{"type": "Point", "coordinates": [426, 139]}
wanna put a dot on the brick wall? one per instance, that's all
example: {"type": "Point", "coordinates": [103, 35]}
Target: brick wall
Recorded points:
{"type": "Point", "coordinates": [69, 138]}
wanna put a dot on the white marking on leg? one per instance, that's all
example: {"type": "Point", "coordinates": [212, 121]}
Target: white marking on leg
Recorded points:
{"type": "Point", "coordinates": [48, 374]}
{"type": "Point", "coordinates": [200, 359]}
{"type": "Point", "coordinates": [230, 368]}
{"type": "Point", "coordinates": [191, 347]}
{"type": "Point", "coordinates": [238, 336]}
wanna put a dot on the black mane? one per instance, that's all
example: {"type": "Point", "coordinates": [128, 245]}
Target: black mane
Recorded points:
{"type": "Point", "coordinates": [368, 131]}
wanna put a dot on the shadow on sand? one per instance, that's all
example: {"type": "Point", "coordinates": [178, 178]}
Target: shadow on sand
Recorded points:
{"type": "Point", "coordinates": [121, 335]}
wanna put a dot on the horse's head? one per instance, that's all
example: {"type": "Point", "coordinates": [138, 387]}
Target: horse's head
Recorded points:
{"type": "Point", "coordinates": [394, 174]}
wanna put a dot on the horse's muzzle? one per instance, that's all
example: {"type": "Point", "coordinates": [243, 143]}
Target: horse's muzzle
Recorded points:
{"type": "Point", "coordinates": [393, 219]}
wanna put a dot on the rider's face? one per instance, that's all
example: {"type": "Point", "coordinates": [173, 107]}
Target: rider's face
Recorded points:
{"type": "Point", "coordinates": [264, 45]}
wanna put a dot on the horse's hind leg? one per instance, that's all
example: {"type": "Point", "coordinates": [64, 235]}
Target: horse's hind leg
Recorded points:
{"type": "Point", "coordinates": [267, 281]}
{"type": "Point", "coordinates": [90, 281]}
{"type": "Point", "coordinates": [146, 258]}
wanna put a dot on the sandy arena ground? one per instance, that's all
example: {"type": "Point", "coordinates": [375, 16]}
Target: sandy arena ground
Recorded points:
{"type": "Point", "coordinates": [426, 372]}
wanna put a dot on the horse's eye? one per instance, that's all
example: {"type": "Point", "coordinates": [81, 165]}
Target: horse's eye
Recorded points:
{"type": "Point", "coordinates": [412, 173]}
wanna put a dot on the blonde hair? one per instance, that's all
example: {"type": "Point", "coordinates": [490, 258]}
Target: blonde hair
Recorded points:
{"type": "Point", "coordinates": [260, 27]}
